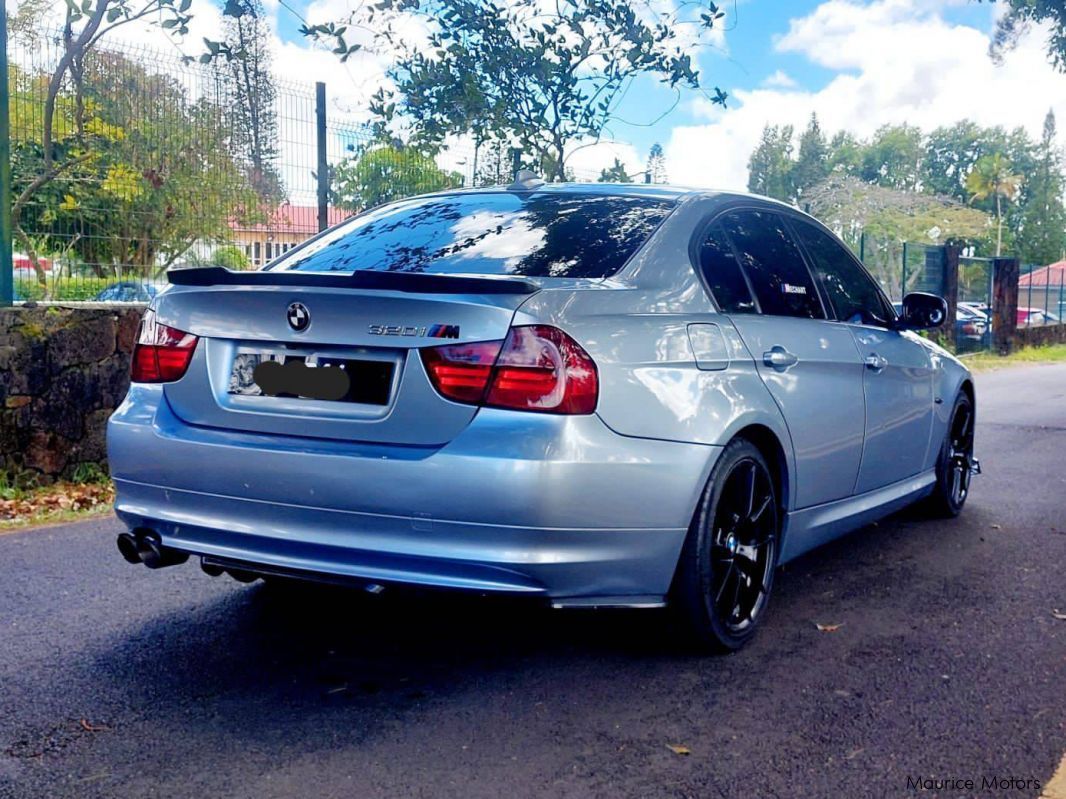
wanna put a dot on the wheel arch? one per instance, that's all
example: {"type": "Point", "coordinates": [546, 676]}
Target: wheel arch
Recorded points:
{"type": "Point", "coordinates": [968, 389]}
{"type": "Point", "coordinates": [769, 444]}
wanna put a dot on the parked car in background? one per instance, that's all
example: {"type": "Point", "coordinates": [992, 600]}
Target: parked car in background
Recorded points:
{"type": "Point", "coordinates": [972, 327]}
{"type": "Point", "coordinates": [1035, 317]}
{"type": "Point", "coordinates": [980, 307]}
{"type": "Point", "coordinates": [595, 394]}
{"type": "Point", "coordinates": [127, 291]}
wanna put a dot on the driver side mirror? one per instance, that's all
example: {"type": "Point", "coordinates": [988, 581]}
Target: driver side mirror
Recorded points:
{"type": "Point", "coordinates": [922, 311]}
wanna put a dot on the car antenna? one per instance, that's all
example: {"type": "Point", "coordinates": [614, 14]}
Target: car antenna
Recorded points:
{"type": "Point", "coordinates": [524, 180]}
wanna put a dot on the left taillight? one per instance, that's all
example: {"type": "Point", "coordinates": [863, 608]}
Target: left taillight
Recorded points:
{"type": "Point", "coordinates": [162, 353]}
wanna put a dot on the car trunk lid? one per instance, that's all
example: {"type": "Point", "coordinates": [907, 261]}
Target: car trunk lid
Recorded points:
{"type": "Point", "coordinates": [372, 334]}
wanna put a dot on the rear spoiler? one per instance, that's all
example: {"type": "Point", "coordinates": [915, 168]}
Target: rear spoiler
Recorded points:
{"type": "Point", "coordinates": [416, 282]}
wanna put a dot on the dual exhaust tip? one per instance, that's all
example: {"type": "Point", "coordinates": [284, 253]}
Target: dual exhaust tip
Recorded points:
{"type": "Point", "coordinates": [142, 546]}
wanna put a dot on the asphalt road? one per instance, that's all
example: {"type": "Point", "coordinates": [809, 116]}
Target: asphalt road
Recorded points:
{"type": "Point", "coordinates": [119, 682]}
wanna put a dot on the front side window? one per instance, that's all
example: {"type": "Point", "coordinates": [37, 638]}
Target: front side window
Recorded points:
{"type": "Point", "coordinates": [852, 293]}
{"type": "Point", "coordinates": [492, 233]}
{"type": "Point", "coordinates": [722, 273]}
{"type": "Point", "coordinates": [773, 264]}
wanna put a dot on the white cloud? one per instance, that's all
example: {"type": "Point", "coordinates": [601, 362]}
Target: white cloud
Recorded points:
{"type": "Point", "coordinates": [779, 80]}
{"type": "Point", "coordinates": [898, 61]}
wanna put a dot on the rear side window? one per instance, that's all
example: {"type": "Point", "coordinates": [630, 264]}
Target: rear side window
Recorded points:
{"type": "Point", "coordinates": [498, 233]}
{"type": "Point", "coordinates": [773, 264]}
{"type": "Point", "coordinates": [852, 293]}
{"type": "Point", "coordinates": [722, 273]}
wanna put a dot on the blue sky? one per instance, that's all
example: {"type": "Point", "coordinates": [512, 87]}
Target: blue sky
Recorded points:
{"type": "Point", "coordinates": [859, 64]}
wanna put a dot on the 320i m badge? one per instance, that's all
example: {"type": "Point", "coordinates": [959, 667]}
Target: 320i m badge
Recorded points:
{"type": "Point", "coordinates": [648, 396]}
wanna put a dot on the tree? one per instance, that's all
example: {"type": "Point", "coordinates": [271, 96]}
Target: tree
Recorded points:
{"type": "Point", "coordinates": [1042, 218]}
{"type": "Point", "coordinates": [993, 177]}
{"type": "Point", "coordinates": [250, 86]}
{"type": "Point", "coordinates": [656, 167]}
{"type": "Point", "coordinates": [616, 173]}
{"type": "Point", "coordinates": [84, 26]}
{"type": "Point", "coordinates": [385, 172]}
{"type": "Point", "coordinates": [151, 175]}
{"type": "Point", "coordinates": [1021, 15]}
{"type": "Point", "coordinates": [893, 158]}
{"type": "Point", "coordinates": [812, 165]}
{"type": "Point", "coordinates": [889, 217]}
{"type": "Point", "coordinates": [541, 77]}
{"type": "Point", "coordinates": [770, 166]}
{"type": "Point", "coordinates": [845, 154]}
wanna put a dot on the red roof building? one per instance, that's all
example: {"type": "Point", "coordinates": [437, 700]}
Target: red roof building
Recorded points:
{"type": "Point", "coordinates": [1053, 275]}
{"type": "Point", "coordinates": [284, 228]}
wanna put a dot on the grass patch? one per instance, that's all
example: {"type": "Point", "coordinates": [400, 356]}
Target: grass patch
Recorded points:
{"type": "Point", "coordinates": [986, 361]}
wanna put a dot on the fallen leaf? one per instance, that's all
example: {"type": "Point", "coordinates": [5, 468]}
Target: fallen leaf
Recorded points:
{"type": "Point", "coordinates": [1058, 614]}
{"type": "Point", "coordinates": [678, 749]}
{"type": "Point", "coordinates": [828, 628]}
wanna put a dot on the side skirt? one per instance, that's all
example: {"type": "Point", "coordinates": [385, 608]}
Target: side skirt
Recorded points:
{"type": "Point", "coordinates": [811, 527]}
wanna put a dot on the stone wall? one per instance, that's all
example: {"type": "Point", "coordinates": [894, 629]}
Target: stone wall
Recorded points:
{"type": "Point", "coordinates": [62, 372]}
{"type": "Point", "coordinates": [1039, 336]}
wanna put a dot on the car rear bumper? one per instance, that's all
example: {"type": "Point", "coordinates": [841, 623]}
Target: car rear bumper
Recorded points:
{"type": "Point", "coordinates": [536, 504]}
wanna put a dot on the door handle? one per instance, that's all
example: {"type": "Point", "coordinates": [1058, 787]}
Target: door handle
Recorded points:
{"type": "Point", "coordinates": [876, 362]}
{"type": "Point", "coordinates": [779, 358]}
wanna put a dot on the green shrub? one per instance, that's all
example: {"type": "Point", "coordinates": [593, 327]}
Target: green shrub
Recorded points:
{"type": "Point", "coordinates": [89, 473]}
{"type": "Point", "coordinates": [71, 289]}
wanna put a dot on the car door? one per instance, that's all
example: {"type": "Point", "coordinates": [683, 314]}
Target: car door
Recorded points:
{"type": "Point", "coordinates": [897, 368]}
{"type": "Point", "coordinates": [810, 366]}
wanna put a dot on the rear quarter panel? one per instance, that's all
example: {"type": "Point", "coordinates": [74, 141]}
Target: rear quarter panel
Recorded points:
{"type": "Point", "coordinates": [637, 328]}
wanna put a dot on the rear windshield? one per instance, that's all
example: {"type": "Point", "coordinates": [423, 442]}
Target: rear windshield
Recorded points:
{"type": "Point", "coordinates": [561, 235]}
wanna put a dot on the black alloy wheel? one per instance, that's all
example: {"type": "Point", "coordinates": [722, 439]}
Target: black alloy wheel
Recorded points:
{"type": "Point", "coordinates": [727, 566]}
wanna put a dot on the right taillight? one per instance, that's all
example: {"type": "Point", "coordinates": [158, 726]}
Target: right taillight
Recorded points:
{"type": "Point", "coordinates": [162, 354]}
{"type": "Point", "coordinates": [536, 368]}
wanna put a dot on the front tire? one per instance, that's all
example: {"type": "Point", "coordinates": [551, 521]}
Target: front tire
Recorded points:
{"type": "Point", "coordinates": [955, 466]}
{"type": "Point", "coordinates": [726, 570]}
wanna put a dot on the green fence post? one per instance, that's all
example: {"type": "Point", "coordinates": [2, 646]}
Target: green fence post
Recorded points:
{"type": "Point", "coordinates": [7, 276]}
{"type": "Point", "coordinates": [903, 284]}
{"type": "Point", "coordinates": [1062, 282]}
{"type": "Point", "coordinates": [322, 159]}
{"type": "Point", "coordinates": [862, 247]}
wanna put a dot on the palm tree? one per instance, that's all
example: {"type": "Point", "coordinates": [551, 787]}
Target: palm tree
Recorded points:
{"type": "Point", "coordinates": [991, 177]}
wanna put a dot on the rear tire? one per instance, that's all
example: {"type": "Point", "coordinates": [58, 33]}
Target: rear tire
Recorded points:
{"type": "Point", "coordinates": [726, 570]}
{"type": "Point", "coordinates": [954, 465]}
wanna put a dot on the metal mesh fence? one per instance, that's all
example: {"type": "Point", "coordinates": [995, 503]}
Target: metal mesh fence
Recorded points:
{"type": "Point", "coordinates": [902, 267]}
{"type": "Point", "coordinates": [1041, 296]}
{"type": "Point", "coordinates": [973, 325]}
{"type": "Point", "coordinates": [154, 161]}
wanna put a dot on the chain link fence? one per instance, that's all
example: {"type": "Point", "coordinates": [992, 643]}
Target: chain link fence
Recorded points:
{"type": "Point", "coordinates": [153, 161]}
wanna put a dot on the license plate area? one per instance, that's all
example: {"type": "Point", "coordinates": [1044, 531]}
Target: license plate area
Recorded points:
{"type": "Point", "coordinates": [318, 377]}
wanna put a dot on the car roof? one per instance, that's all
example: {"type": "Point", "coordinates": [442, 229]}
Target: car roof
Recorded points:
{"type": "Point", "coordinates": [650, 190]}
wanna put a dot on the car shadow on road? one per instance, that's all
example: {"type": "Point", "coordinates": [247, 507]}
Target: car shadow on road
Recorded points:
{"type": "Point", "coordinates": [320, 641]}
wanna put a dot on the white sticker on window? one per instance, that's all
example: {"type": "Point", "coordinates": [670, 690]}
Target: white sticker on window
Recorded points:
{"type": "Point", "coordinates": [788, 288]}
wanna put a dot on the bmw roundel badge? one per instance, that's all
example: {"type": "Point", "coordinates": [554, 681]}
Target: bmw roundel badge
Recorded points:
{"type": "Point", "coordinates": [299, 317]}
